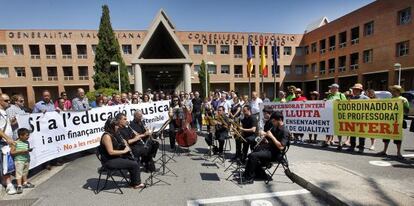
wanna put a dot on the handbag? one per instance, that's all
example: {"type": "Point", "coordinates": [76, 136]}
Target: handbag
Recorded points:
{"type": "Point", "coordinates": [8, 162]}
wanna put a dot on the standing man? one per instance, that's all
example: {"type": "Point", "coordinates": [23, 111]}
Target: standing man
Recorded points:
{"type": "Point", "coordinates": [396, 91]}
{"type": "Point", "coordinates": [15, 108]}
{"type": "Point", "coordinates": [44, 105]}
{"type": "Point", "coordinates": [357, 91]}
{"type": "Point", "coordinates": [80, 103]}
{"type": "Point", "coordinates": [254, 105]}
{"type": "Point", "coordinates": [197, 118]}
{"type": "Point", "coordinates": [67, 105]}
{"type": "Point", "coordinates": [6, 133]}
{"type": "Point", "coordinates": [291, 95]}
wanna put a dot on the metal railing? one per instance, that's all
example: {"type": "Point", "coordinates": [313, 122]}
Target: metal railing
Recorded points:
{"type": "Point", "coordinates": [52, 78]}
{"type": "Point", "coordinates": [67, 56]}
{"type": "Point", "coordinates": [36, 56]}
{"type": "Point", "coordinates": [68, 77]}
{"type": "Point", "coordinates": [83, 77]}
{"type": "Point", "coordinates": [37, 79]}
{"type": "Point", "coordinates": [51, 56]}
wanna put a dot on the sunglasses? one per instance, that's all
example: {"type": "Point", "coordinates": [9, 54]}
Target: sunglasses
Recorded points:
{"type": "Point", "coordinates": [6, 100]}
{"type": "Point", "coordinates": [21, 101]}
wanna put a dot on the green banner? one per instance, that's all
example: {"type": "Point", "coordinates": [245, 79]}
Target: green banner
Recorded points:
{"type": "Point", "coordinates": [373, 118]}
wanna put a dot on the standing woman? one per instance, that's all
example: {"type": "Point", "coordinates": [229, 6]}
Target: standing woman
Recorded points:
{"type": "Point", "coordinates": [115, 151]}
{"type": "Point", "coordinates": [176, 114]}
{"type": "Point", "coordinates": [314, 95]}
{"type": "Point", "coordinates": [371, 95]}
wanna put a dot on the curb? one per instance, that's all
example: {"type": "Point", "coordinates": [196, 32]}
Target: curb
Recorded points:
{"type": "Point", "coordinates": [315, 190]}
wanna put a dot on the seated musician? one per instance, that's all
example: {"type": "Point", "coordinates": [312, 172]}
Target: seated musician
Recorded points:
{"type": "Point", "coordinates": [176, 113]}
{"type": "Point", "coordinates": [248, 129]}
{"type": "Point", "coordinates": [221, 133]}
{"type": "Point", "coordinates": [115, 153]}
{"type": "Point", "coordinates": [278, 138]}
{"type": "Point", "coordinates": [138, 138]}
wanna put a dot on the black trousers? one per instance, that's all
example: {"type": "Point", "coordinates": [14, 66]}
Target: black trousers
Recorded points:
{"type": "Point", "coordinates": [221, 138]}
{"type": "Point", "coordinates": [146, 153]}
{"type": "Point", "coordinates": [197, 120]}
{"type": "Point", "coordinates": [256, 160]}
{"type": "Point", "coordinates": [127, 164]}
{"type": "Point", "coordinates": [172, 134]}
{"type": "Point", "coordinates": [361, 142]}
{"type": "Point", "coordinates": [242, 147]}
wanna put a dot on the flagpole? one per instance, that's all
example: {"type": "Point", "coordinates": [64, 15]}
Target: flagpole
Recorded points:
{"type": "Point", "coordinates": [274, 86]}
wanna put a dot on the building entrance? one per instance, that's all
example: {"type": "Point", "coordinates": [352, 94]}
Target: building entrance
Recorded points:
{"type": "Point", "coordinates": [163, 77]}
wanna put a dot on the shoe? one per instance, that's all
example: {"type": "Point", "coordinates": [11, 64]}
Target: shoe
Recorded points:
{"type": "Point", "coordinates": [361, 150]}
{"type": "Point", "coordinates": [372, 148]}
{"type": "Point", "coordinates": [351, 149]}
{"type": "Point", "coordinates": [28, 185]}
{"type": "Point", "coordinates": [19, 189]}
{"type": "Point", "coordinates": [383, 154]}
{"type": "Point", "coordinates": [245, 181]}
{"type": "Point", "coordinates": [10, 190]}
{"type": "Point", "coordinates": [400, 157]}
{"type": "Point", "coordinates": [140, 186]}
{"type": "Point", "coordinates": [339, 148]}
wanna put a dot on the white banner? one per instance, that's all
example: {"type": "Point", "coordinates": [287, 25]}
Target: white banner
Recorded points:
{"type": "Point", "coordinates": [312, 117]}
{"type": "Point", "coordinates": [59, 134]}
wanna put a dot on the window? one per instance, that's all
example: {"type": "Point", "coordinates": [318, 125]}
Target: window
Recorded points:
{"type": "Point", "coordinates": [299, 69]}
{"type": "Point", "coordinates": [18, 49]}
{"type": "Point", "coordinates": [299, 51]}
{"type": "Point", "coordinates": [253, 51]}
{"type": "Point", "coordinates": [52, 74]}
{"type": "Point", "coordinates": [368, 54]}
{"type": "Point", "coordinates": [322, 46]}
{"type": "Point", "coordinates": [198, 49]}
{"type": "Point", "coordinates": [186, 47]}
{"type": "Point", "coordinates": [342, 63]}
{"type": "Point", "coordinates": [36, 73]}
{"type": "Point", "coordinates": [82, 52]}
{"type": "Point", "coordinates": [403, 48]}
{"type": "Point", "coordinates": [50, 51]}
{"type": "Point", "coordinates": [83, 73]}
{"type": "Point", "coordinates": [369, 28]}
{"type": "Point", "coordinates": [355, 35]}
{"type": "Point", "coordinates": [306, 50]}
{"type": "Point", "coordinates": [127, 49]}
{"type": "Point", "coordinates": [287, 50]}
{"type": "Point", "coordinates": [331, 65]}
{"type": "Point", "coordinates": [224, 49]}
{"type": "Point", "coordinates": [66, 52]}
{"type": "Point", "coordinates": [354, 57]}
{"type": "Point", "coordinates": [238, 51]}
{"type": "Point", "coordinates": [67, 73]}
{"type": "Point", "coordinates": [225, 69]}
{"type": "Point", "coordinates": [305, 69]}
{"type": "Point", "coordinates": [197, 68]}
{"type": "Point", "coordinates": [342, 39]}
{"type": "Point", "coordinates": [322, 67]}
{"type": "Point", "coordinates": [34, 51]}
{"type": "Point", "coordinates": [20, 71]}
{"type": "Point", "coordinates": [332, 42]}
{"type": "Point", "coordinates": [3, 50]}
{"type": "Point", "coordinates": [287, 69]}
{"type": "Point", "coordinates": [313, 67]}
{"type": "Point", "coordinates": [212, 69]}
{"type": "Point", "coordinates": [313, 47]}
{"type": "Point", "coordinates": [211, 49]}
{"type": "Point", "coordinates": [4, 72]}
{"type": "Point", "coordinates": [94, 49]}
{"type": "Point", "coordinates": [130, 70]}
{"type": "Point", "coordinates": [238, 71]}
{"type": "Point", "coordinates": [404, 16]}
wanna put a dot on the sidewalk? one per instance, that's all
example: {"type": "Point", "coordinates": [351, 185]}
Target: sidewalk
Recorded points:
{"type": "Point", "coordinates": [340, 186]}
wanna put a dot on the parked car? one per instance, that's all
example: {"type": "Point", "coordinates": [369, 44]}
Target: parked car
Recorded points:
{"type": "Point", "coordinates": [409, 95]}
{"type": "Point", "coordinates": [383, 94]}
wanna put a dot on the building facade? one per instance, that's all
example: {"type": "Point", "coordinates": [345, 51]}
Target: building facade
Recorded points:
{"type": "Point", "coordinates": [362, 46]}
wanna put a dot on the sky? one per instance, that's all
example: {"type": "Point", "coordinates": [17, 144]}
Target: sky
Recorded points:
{"type": "Point", "coordinates": [275, 16]}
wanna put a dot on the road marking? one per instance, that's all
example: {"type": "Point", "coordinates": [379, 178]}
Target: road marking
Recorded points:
{"type": "Point", "coordinates": [380, 163]}
{"type": "Point", "coordinates": [408, 155]}
{"type": "Point", "coordinates": [260, 203]}
{"type": "Point", "coordinates": [245, 197]}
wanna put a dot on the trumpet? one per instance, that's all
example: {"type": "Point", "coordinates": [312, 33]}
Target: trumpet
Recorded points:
{"type": "Point", "coordinates": [232, 126]}
{"type": "Point", "coordinates": [260, 139]}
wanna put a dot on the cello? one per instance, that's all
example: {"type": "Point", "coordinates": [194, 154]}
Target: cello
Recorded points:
{"type": "Point", "coordinates": [186, 136]}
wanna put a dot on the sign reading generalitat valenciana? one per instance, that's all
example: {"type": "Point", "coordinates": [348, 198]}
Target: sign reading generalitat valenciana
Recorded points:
{"type": "Point", "coordinates": [59, 134]}
{"type": "Point", "coordinates": [372, 118]}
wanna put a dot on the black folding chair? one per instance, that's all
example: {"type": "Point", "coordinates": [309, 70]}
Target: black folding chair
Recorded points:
{"type": "Point", "coordinates": [282, 160]}
{"type": "Point", "coordinates": [109, 174]}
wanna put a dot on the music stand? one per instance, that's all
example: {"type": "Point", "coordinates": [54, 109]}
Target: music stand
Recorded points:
{"type": "Point", "coordinates": [164, 156]}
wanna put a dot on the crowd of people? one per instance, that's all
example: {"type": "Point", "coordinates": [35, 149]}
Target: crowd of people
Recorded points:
{"type": "Point", "coordinates": [226, 110]}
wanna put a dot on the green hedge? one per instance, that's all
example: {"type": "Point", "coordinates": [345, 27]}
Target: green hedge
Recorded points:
{"type": "Point", "coordinates": [104, 91]}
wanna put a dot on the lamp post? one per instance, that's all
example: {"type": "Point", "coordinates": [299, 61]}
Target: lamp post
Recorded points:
{"type": "Point", "coordinates": [398, 66]}
{"type": "Point", "coordinates": [206, 73]}
{"type": "Point", "coordinates": [317, 83]}
{"type": "Point", "coordinates": [119, 74]}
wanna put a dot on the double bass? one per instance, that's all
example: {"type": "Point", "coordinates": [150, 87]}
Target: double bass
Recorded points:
{"type": "Point", "coordinates": [186, 136]}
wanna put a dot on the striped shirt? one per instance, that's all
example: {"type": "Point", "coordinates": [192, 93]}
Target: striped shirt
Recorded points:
{"type": "Point", "coordinates": [22, 146]}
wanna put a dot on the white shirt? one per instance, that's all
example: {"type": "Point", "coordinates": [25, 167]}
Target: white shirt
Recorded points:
{"type": "Point", "coordinates": [5, 124]}
{"type": "Point", "coordinates": [226, 104]}
{"type": "Point", "coordinates": [254, 105]}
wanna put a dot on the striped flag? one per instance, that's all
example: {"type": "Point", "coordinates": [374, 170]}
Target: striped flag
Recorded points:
{"type": "Point", "coordinates": [275, 70]}
{"type": "Point", "coordinates": [263, 66]}
{"type": "Point", "coordinates": [249, 59]}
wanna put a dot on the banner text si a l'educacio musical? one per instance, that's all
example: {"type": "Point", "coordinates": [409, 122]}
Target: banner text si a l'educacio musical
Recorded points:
{"type": "Point", "coordinates": [58, 134]}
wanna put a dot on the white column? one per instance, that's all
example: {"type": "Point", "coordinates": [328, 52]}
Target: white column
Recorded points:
{"type": "Point", "coordinates": [187, 78]}
{"type": "Point", "coordinates": [138, 78]}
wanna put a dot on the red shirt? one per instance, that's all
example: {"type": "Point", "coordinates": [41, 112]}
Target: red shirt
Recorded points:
{"type": "Point", "coordinates": [301, 98]}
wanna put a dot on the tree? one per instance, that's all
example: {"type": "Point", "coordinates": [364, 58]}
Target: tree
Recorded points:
{"type": "Point", "coordinates": [202, 75]}
{"type": "Point", "coordinates": [107, 50]}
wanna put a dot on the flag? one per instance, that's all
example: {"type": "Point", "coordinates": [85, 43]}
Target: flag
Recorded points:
{"type": "Point", "coordinates": [263, 66]}
{"type": "Point", "coordinates": [249, 59]}
{"type": "Point", "coordinates": [275, 56]}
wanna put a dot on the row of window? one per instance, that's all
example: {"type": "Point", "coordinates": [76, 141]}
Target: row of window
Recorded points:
{"type": "Point", "coordinates": [52, 73]}
{"type": "Point", "coordinates": [225, 69]}
{"type": "Point", "coordinates": [403, 17]}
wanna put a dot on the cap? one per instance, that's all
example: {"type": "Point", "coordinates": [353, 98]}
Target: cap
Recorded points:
{"type": "Point", "coordinates": [334, 85]}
